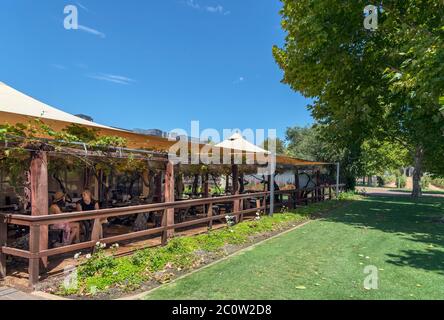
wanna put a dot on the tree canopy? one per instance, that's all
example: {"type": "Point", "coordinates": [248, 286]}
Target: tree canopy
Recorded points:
{"type": "Point", "coordinates": [366, 85]}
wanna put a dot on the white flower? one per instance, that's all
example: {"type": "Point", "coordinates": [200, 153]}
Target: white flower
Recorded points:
{"type": "Point", "coordinates": [77, 255]}
{"type": "Point", "coordinates": [103, 245]}
{"type": "Point", "coordinates": [98, 244]}
{"type": "Point", "coordinates": [88, 256]}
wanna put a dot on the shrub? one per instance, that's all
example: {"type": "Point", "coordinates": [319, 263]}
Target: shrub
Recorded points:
{"type": "Point", "coordinates": [349, 195]}
{"type": "Point", "coordinates": [385, 180]}
{"type": "Point", "coordinates": [401, 181]}
{"type": "Point", "coordinates": [438, 182]}
{"type": "Point", "coordinates": [425, 181]}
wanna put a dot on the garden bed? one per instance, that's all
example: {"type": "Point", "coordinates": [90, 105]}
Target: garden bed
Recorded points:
{"type": "Point", "coordinates": [103, 276]}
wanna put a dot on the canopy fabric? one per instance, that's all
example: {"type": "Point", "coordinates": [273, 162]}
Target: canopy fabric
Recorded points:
{"type": "Point", "coordinates": [14, 101]}
{"type": "Point", "coordinates": [17, 107]}
{"type": "Point", "coordinates": [237, 142]}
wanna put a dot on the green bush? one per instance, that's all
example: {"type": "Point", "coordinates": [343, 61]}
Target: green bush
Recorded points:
{"type": "Point", "coordinates": [425, 181]}
{"type": "Point", "coordinates": [438, 182]}
{"type": "Point", "coordinates": [349, 195]}
{"type": "Point", "coordinates": [401, 181]}
{"type": "Point", "coordinates": [385, 180]}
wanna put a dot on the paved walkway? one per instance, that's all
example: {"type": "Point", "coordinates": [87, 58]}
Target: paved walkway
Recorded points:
{"type": "Point", "coordinates": [393, 192]}
{"type": "Point", "coordinates": [7, 293]}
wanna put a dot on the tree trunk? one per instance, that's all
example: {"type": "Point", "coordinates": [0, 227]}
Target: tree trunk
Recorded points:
{"type": "Point", "coordinates": [417, 172]}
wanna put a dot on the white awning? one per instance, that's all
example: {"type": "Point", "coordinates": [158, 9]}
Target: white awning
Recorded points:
{"type": "Point", "coordinates": [14, 101]}
{"type": "Point", "coordinates": [237, 142]}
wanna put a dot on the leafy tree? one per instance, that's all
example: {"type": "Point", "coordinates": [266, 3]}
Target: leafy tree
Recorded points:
{"type": "Point", "coordinates": [378, 157]}
{"type": "Point", "coordinates": [302, 142]}
{"type": "Point", "coordinates": [280, 146]}
{"type": "Point", "coordinates": [381, 85]}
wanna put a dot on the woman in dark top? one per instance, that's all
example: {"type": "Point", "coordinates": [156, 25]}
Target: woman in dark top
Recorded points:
{"type": "Point", "coordinates": [87, 203]}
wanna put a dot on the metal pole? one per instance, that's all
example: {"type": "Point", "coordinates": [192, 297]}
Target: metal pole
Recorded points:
{"type": "Point", "coordinates": [337, 179]}
{"type": "Point", "coordinates": [273, 169]}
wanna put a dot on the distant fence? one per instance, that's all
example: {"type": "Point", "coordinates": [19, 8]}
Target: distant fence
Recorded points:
{"type": "Point", "coordinates": [38, 225]}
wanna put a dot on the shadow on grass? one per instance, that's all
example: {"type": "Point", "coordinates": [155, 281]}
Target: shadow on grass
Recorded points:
{"type": "Point", "coordinates": [429, 259]}
{"type": "Point", "coordinates": [414, 220]}
{"type": "Point", "coordinates": [425, 192]}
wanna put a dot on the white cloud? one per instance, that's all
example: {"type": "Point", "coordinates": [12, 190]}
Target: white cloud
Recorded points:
{"type": "Point", "coordinates": [92, 31]}
{"type": "Point", "coordinates": [212, 9]}
{"type": "Point", "coordinates": [217, 9]}
{"type": "Point", "coordinates": [112, 78]}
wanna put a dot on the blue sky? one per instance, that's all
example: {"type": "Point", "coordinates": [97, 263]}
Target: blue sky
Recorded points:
{"type": "Point", "coordinates": [153, 64]}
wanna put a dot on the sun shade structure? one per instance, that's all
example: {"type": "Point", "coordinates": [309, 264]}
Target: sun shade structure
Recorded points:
{"type": "Point", "coordinates": [17, 107]}
{"type": "Point", "coordinates": [14, 101]}
{"type": "Point", "coordinates": [237, 142]}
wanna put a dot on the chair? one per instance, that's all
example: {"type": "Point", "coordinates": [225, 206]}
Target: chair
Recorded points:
{"type": "Point", "coordinates": [55, 236]}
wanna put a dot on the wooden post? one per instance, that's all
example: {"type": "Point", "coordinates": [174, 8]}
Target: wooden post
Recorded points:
{"type": "Point", "coordinates": [235, 191]}
{"type": "Point", "coordinates": [179, 185]}
{"type": "Point", "coordinates": [241, 207]}
{"type": "Point", "coordinates": [158, 186]}
{"type": "Point", "coordinates": [145, 183]}
{"type": "Point", "coordinates": [164, 238]}
{"type": "Point", "coordinates": [296, 184]}
{"type": "Point", "coordinates": [39, 195]}
{"type": "Point", "coordinates": [318, 183]}
{"type": "Point", "coordinates": [3, 242]}
{"type": "Point", "coordinates": [96, 187]}
{"type": "Point", "coordinates": [34, 262]}
{"type": "Point", "coordinates": [206, 186]}
{"type": "Point", "coordinates": [97, 230]}
{"type": "Point", "coordinates": [210, 214]}
{"type": "Point", "coordinates": [337, 179]}
{"type": "Point", "coordinates": [169, 195]}
{"type": "Point", "coordinates": [205, 189]}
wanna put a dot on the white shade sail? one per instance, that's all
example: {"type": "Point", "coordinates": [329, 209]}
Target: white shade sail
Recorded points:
{"type": "Point", "coordinates": [14, 101]}
{"type": "Point", "coordinates": [237, 142]}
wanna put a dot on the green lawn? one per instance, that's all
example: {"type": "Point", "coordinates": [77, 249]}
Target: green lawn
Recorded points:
{"type": "Point", "coordinates": [326, 258]}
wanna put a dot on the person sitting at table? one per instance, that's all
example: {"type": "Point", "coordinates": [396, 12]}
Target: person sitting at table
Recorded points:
{"type": "Point", "coordinates": [71, 230]}
{"type": "Point", "coordinates": [87, 203]}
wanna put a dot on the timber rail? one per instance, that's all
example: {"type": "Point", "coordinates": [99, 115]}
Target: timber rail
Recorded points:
{"type": "Point", "coordinates": [39, 225]}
